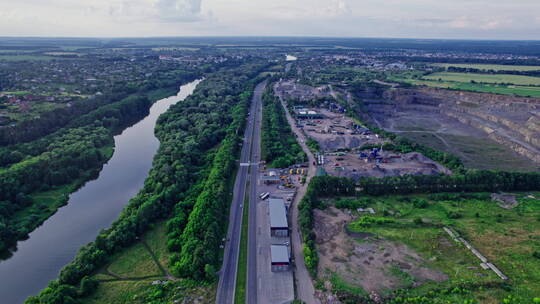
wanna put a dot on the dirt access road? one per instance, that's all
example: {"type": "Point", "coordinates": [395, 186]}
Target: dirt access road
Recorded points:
{"type": "Point", "coordinates": [304, 286]}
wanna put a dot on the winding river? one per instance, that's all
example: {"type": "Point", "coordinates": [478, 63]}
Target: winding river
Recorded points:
{"type": "Point", "coordinates": [92, 208]}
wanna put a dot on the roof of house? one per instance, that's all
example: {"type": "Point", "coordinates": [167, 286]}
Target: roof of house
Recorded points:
{"type": "Point", "coordinates": [280, 254]}
{"type": "Point", "coordinates": [278, 214]}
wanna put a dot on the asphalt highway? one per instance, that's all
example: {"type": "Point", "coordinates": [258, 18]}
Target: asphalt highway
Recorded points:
{"type": "Point", "coordinates": [249, 159]}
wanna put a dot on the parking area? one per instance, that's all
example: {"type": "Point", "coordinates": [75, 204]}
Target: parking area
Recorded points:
{"type": "Point", "coordinates": [276, 190]}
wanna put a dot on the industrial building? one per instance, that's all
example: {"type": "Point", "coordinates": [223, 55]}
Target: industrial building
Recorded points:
{"type": "Point", "coordinates": [271, 178]}
{"type": "Point", "coordinates": [280, 258]}
{"type": "Point", "coordinates": [308, 114]}
{"type": "Point", "coordinates": [278, 218]}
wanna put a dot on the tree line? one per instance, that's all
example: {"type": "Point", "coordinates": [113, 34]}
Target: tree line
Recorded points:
{"type": "Point", "coordinates": [491, 71]}
{"type": "Point", "coordinates": [185, 181]}
{"type": "Point", "coordinates": [279, 146]}
{"type": "Point", "coordinates": [471, 181]}
{"type": "Point", "coordinates": [319, 186]}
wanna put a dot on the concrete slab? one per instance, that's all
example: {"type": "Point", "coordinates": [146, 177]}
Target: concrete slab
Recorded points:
{"type": "Point", "coordinates": [272, 287]}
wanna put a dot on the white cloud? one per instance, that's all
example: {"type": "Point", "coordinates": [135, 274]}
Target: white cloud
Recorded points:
{"type": "Point", "coordinates": [336, 8]}
{"type": "Point", "coordinates": [179, 10]}
{"type": "Point", "coordinates": [362, 18]}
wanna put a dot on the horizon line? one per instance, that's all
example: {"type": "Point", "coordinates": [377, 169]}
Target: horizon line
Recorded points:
{"type": "Point", "coordinates": [262, 37]}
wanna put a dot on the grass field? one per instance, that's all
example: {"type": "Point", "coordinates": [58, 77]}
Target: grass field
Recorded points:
{"type": "Point", "coordinates": [129, 277]}
{"type": "Point", "coordinates": [494, 67]}
{"type": "Point", "coordinates": [26, 57]}
{"type": "Point", "coordinates": [517, 90]}
{"type": "Point", "coordinates": [135, 263]}
{"type": "Point", "coordinates": [485, 78]}
{"type": "Point", "coordinates": [507, 238]}
{"type": "Point", "coordinates": [241, 274]}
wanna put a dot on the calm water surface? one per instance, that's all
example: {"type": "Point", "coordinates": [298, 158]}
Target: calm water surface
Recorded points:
{"type": "Point", "coordinates": [92, 208]}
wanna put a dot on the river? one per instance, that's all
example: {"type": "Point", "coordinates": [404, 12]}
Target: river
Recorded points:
{"type": "Point", "coordinates": [92, 208]}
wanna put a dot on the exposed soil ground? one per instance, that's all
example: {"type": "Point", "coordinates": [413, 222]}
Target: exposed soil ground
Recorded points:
{"type": "Point", "coordinates": [506, 201]}
{"type": "Point", "coordinates": [464, 124]}
{"type": "Point", "coordinates": [393, 164]}
{"type": "Point", "coordinates": [375, 265]}
{"type": "Point", "coordinates": [336, 132]}
{"type": "Point", "coordinates": [293, 90]}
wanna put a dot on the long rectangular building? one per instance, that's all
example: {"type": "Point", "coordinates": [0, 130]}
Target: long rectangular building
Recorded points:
{"type": "Point", "coordinates": [278, 217]}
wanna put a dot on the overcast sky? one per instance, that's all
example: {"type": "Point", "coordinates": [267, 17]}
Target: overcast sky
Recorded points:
{"type": "Point", "coordinates": [475, 19]}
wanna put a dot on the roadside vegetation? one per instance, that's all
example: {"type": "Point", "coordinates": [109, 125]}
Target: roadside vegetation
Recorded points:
{"type": "Point", "coordinates": [279, 146]}
{"type": "Point", "coordinates": [313, 145]}
{"type": "Point", "coordinates": [241, 274]}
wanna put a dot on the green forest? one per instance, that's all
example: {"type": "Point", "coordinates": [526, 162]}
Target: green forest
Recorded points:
{"type": "Point", "coordinates": [279, 146]}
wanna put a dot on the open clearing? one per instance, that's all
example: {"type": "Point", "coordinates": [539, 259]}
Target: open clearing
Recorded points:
{"type": "Point", "coordinates": [485, 78]}
{"type": "Point", "coordinates": [494, 67]}
{"type": "Point", "coordinates": [405, 246]}
{"type": "Point", "coordinates": [392, 164]}
{"type": "Point", "coordinates": [364, 264]}
{"type": "Point", "coordinates": [139, 274]}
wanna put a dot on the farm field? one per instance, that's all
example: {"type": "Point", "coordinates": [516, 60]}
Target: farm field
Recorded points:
{"type": "Point", "coordinates": [26, 57]}
{"type": "Point", "coordinates": [494, 67]}
{"type": "Point", "coordinates": [518, 90]}
{"type": "Point", "coordinates": [485, 78]}
{"type": "Point", "coordinates": [406, 237]}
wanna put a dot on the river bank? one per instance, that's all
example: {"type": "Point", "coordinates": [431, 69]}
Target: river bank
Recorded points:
{"type": "Point", "coordinates": [92, 208]}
